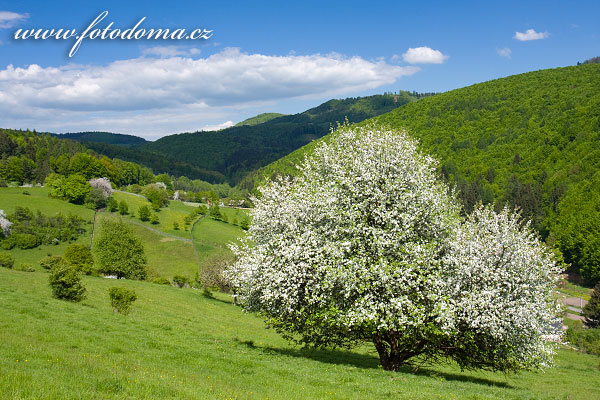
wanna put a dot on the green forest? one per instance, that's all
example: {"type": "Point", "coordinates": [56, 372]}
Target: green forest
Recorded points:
{"type": "Point", "coordinates": [239, 150]}
{"type": "Point", "coordinates": [531, 141]}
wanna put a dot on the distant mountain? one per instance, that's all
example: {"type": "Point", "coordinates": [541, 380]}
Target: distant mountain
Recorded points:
{"type": "Point", "coordinates": [531, 141]}
{"type": "Point", "coordinates": [104, 137]}
{"type": "Point", "coordinates": [259, 119]}
{"type": "Point", "coordinates": [239, 150]}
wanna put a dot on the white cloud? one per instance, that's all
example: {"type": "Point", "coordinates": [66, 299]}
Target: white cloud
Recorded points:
{"type": "Point", "coordinates": [424, 55]}
{"type": "Point", "coordinates": [530, 34]}
{"type": "Point", "coordinates": [169, 51]}
{"type": "Point", "coordinates": [8, 19]}
{"type": "Point", "coordinates": [218, 127]}
{"type": "Point", "coordinates": [505, 52]}
{"type": "Point", "coordinates": [152, 96]}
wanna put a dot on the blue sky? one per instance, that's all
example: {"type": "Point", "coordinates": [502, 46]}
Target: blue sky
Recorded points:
{"type": "Point", "coordinates": [267, 56]}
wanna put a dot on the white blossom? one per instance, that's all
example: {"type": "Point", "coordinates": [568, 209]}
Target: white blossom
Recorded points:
{"type": "Point", "coordinates": [103, 184]}
{"type": "Point", "coordinates": [367, 244]}
{"type": "Point", "coordinates": [5, 224]}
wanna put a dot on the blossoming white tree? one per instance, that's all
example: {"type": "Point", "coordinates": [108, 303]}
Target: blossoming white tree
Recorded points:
{"type": "Point", "coordinates": [366, 244]}
{"type": "Point", "coordinates": [5, 224]}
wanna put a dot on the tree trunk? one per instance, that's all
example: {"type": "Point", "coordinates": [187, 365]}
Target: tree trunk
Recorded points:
{"type": "Point", "coordinates": [391, 356]}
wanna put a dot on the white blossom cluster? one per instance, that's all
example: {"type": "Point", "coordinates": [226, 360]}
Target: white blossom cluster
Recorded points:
{"type": "Point", "coordinates": [367, 240]}
{"type": "Point", "coordinates": [103, 184]}
{"type": "Point", "coordinates": [5, 224]}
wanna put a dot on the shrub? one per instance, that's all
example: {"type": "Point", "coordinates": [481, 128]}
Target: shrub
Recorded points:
{"type": "Point", "coordinates": [80, 257]}
{"type": "Point", "coordinates": [6, 260]}
{"type": "Point", "coordinates": [202, 210]}
{"type": "Point", "coordinates": [154, 219]}
{"type": "Point", "coordinates": [96, 198]}
{"type": "Point", "coordinates": [121, 299]}
{"type": "Point", "coordinates": [26, 240]}
{"type": "Point", "coordinates": [123, 207]}
{"type": "Point", "coordinates": [112, 204]}
{"type": "Point", "coordinates": [144, 213]}
{"type": "Point", "coordinates": [176, 225]}
{"type": "Point", "coordinates": [180, 281]}
{"type": "Point", "coordinates": [588, 340]}
{"type": "Point", "coordinates": [50, 261]}
{"type": "Point", "coordinates": [161, 281]}
{"type": "Point", "coordinates": [66, 283]}
{"type": "Point", "coordinates": [26, 193]}
{"type": "Point", "coordinates": [26, 268]}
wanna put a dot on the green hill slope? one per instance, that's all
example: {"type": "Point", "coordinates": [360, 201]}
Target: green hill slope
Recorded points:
{"type": "Point", "coordinates": [179, 344]}
{"type": "Point", "coordinates": [259, 119]}
{"type": "Point", "coordinates": [236, 151]}
{"type": "Point", "coordinates": [528, 140]}
{"type": "Point", "coordinates": [169, 252]}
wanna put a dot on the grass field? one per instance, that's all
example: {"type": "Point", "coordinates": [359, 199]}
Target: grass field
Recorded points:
{"type": "Point", "coordinates": [167, 256]}
{"type": "Point", "coordinates": [38, 199]}
{"type": "Point", "coordinates": [211, 237]}
{"type": "Point", "coordinates": [179, 344]}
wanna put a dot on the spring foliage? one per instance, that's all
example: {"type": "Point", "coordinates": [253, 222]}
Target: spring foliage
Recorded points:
{"type": "Point", "coordinates": [367, 245]}
{"type": "Point", "coordinates": [119, 252]}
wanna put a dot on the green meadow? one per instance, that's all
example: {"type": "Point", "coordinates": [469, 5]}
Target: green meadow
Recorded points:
{"type": "Point", "coordinates": [181, 344]}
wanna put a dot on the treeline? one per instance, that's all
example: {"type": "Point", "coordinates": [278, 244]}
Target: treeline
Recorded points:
{"type": "Point", "coordinates": [29, 157]}
{"type": "Point", "coordinates": [237, 151]}
{"type": "Point", "coordinates": [531, 141]}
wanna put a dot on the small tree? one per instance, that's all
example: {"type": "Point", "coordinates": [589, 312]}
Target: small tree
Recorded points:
{"type": "Point", "coordinates": [366, 244]}
{"type": "Point", "coordinates": [119, 252]}
{"type": "Point", "coordinates": [176, 225]}
{"type": "Point", "coordinates": [245, 223]}
{"type": "Point", "coordinates": [6, 260]}
{"type": "Point", "coordinates": [66, 283]}
{"type": "Point", "coordinates": [212, 272]}
{"type": "Point", "coordinates": [215, 212]}
{"type": "Point", "coordinates": [154, 219]}
{"type": "Point", "coordinates": [591, 311]}
{"type": "Point", "coordinates": [121, 299]}
{"type": "Point", "coordinates": [180, 281]}
{"type": "Point", "coordinates": [144, 213]}
{"type": "Point", "coordinates": [80, 257]}
{"type": "Point", "coordinates": [112, 204]}
{"type": "Point", "coordinates": [123, 207]}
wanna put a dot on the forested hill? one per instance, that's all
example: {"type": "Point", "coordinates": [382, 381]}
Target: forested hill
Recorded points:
{"type": "Point", "coordinates": [259, 119]}
{"type": "Point", "coordinates": [529, 140]}
{"type": "Point", "coordinates": [236, 151]}
{"type": "Point", "coordinates": [104, 137]}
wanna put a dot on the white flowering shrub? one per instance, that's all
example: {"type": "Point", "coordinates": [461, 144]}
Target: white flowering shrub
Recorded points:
{"type": "Point", "coordinates": [366, 244]}
{"type": "Point", "coordinates": [499, 281]}
{"type": "Point", "coordinates": [5, 224]}
{"type": "Point", "coordinates": [102, 184]}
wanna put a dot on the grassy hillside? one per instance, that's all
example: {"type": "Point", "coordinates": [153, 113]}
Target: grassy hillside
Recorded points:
{"type": "Point", "coordinates": [529, 140]}
{"type": "Point", "coordinates": [259, 119]}
{"type": "Point", "coordinates": [237, 151]}
{"type": "Point", "coordinates": [178, 344]}
{"type": "Point", "coordinates": [169, 252]}
{"type": "Point", "coordinates": [38, 199]}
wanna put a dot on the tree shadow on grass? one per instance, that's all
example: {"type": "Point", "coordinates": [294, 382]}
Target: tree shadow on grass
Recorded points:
{"type": "Point", "coordinates": [448, 376]}
{"type": "Point", "coordinates": [365, 361]}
